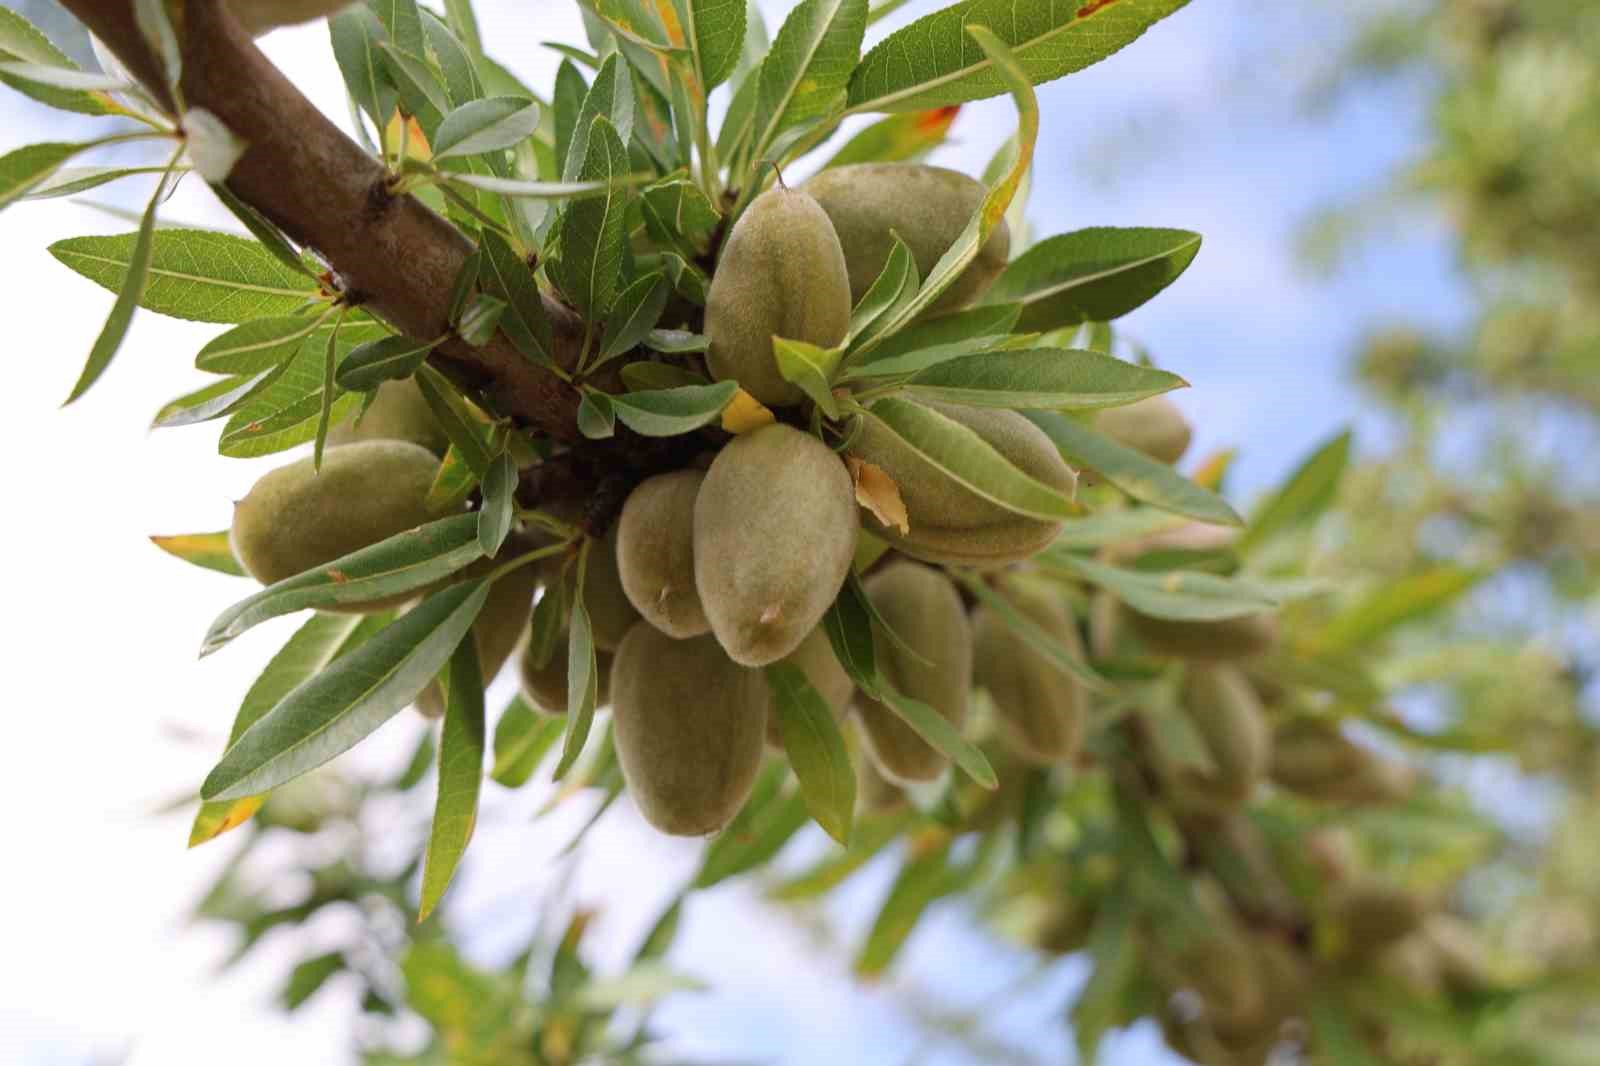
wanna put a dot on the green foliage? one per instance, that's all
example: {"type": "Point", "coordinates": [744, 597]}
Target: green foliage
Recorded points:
{"type": "Point", "coordinates": [943, 384]}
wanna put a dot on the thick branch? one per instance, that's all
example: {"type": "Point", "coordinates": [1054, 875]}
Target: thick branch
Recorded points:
{"type": "Point", "coordinates": [326, 192]}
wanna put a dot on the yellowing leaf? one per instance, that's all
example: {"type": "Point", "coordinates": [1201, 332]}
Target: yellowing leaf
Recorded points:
{"type": "Point", "coordinates": [217, 818]}
{"type": "Point", "coordinates": [416, 141]}
{"type": "Point", "coordinates": [1209, 474]}
{"type": "Point", "coordinates": [745, 413]}
{"type": "Point", "coordinates": [877, 492]}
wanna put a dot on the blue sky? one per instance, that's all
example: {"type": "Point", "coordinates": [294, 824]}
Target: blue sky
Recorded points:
{"type": "Point", "coordinates": [1199, 125]}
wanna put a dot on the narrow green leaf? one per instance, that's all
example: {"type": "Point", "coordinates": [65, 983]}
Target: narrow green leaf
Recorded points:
{"type": "Point", "coordinates": [934, 728]}
{"type": "Point", "coordinates": [669, 412]}
{"type": "Point", "coordinates": [459, 425]}
{"type": "Point", "coordinates": [594, 232]}
{"type": "Point", "coordinates": [490, 125]}
{"type": "Point", "coordinates": [609, 97]}
{"type": "Point", "coordinates": [330, 369]}
{"type": "Point", "coordinates": [931, 63]}
{"type": "Point", "coordinates": [403, 22]}
{"type": "Point", "coordinates": [67, 181]}
{"type": "Point", "coordinates": [285, 413]}
{"type": "Point", "coordinates": [508, 277]}
{"type": "Point", "coordinates": [498, 512]}
{"type": "Point", "coordinates": [45, 75]}
{"type": "Point", "coordinates": [1132, 471]}
{"type": "Point", "coordinates": [1183, 596]}
{"type": "Point", "coordinates": [258, 345]}
{"type": "Point", "coordinates": [1395, 604]}
{"type": "Point", "coordinates": [1093, 275]}
{"type": "Point", "coordinates": [216, 400]}
{"type": "Point", "coordinates": [271, 237]}
{"type": "Point", "coordinates": [679, 215]}
{"type": "Point", "coordinates": [213, 551]}
{"type": "Point", "coordinates": [637, 310]}
{"type": "Point", "coordinates": [849, 627]}
{"type": "Point", "coordinates": [945, 331]}
{"type": "Point", "coordinates": [919, 884]}
{"type": "Point", "coordinates": [21, 40]}
{"type": "Point", "coordinates": [155, 26]}
{"type": "Point", "coordinates": [582, 686]}
{"type": "Point", "coordinates": [896, 285]}
{"type": "Point", "coordinates": [338, 707]}
{"type": "Point", "coordinates": [28, 168]}
{"type": "Point", "coordinates": [129, 291]}
{"type": "Point", "coordinates": [1309, 491]}
{"type": "Point", "coordinates": [522, 738]}
{"type": "Point", "coordinates": [356, 34]}
{"type": "Point", "coordinates": [199, 275]}
{"type": "Point", "coordinates": [806, 72]}
{"type": "Point", "coordinates": [969, 459]}
{"type": "Point", "coordinates": [815, 748]}
{"type": "Point", "coordinates": [1042, 379]}
{"type": "Point", "coordinates": [312, 647]}
{"type": "Point", "coordinates": [480, 319]}
{"type": "Point", "coordinates": [768, 821]}
{"type": "Point", "coordinates": [898, 138]}
{"type": "Point", "coordinates": [676, 342]}
{"type": "Point", "coordinates": [648, 377]}
{"type": "Point", "coordinates": [308, 977]}
{"type": "Point", "coordinates": [811, 368]}
{"type": "Point", "coordinates": [399, 564]}
{"type": "Point", "coordinates": [461, 748]}
{"type": "Point", "coordinates": [421, 87]}
{"type": "Point", "coordinates": [369, 365]}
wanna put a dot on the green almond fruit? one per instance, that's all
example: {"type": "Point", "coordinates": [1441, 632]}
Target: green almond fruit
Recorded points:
{"type": "Point", "coordinates": [295, 519]}
{"type": "Point", "coordinates": [1154, 426]}
{"type": "Point", "coordinates": [775, 531]}
{"type": "Point", "coordinates": [949, 523]}
{"type": "Point", "coordinates": [1316, 760]}
{"type": "Point", "coordinates": [655, 553]}
{"type": "Point", "coordinates": [398, 412]}
{"type": "Point", "coordinates": [499, 628]}
{"type": "Point", "coordinates": [1373, 914]}
{"type": "Point", "coordinates": [1206, 641]}
{"type": "Point", "coordinates": [816, 660]}
{"type": "Point", "coordinates": [781, 274]}
{"type": "Point", "coordinates": [545, 687]}
{"type": "Point", "coordinates": [923, 608]}
{"type": "Point", "coordinates": [688, 724]}
{"type": "Point", "coordinates": [928, 207]}
{"type": "Point", "coordinates": [1041, 711]}
{"type": "Point", "coordinates": [1222, 706]}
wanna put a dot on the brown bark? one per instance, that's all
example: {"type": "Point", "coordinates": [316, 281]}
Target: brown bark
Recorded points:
{"type": "Point", "coordinates": [327, 193]}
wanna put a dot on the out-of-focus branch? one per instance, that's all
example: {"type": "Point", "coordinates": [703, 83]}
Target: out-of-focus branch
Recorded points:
{"type": "Point", "coordinates": [326, 192]}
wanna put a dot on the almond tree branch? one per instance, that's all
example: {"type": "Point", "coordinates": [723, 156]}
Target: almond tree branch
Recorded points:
{"type": "Point", "coordinates": [326, 192]}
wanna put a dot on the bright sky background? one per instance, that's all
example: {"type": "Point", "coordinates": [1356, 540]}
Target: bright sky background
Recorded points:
{"type": "Point", "coordinates": [1199, 125]}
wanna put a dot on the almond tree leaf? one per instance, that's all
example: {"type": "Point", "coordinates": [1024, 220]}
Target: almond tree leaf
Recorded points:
{"type": "Point", "coordinates": [677, 342]}
{"type": "Point", "coordinates": [898, 354]}
{"type": "Point", "coordinates": [216, 400]}
{"type": "Point", "coordinates": [490, 125]}
{"type": "Point", "coordinates": [769, 820]}
{"type": "Point", "coordinates": [213, 551]}
{"type": "Point", "coordinates": [458, 424]}
{"type": "Point", "coordinates": [805, 74]}
{"type": "Point", "coordinates": [1033, 634]}
{"type": "Point", "coordinates": [356, 34]}
{"type": "Point", "coordinates": [1042, 379]}
{"type": "Point", "coordinates": [581, 190]}
{"type": "Point", "coordinates": [461, 747]}
{"type": "Point", "coordinates": [21, 40]}
{"type": "Point", "coordinates": [129, 291]}
{"type": "Point", "coordinates": [637, 310]}
{"type": "Point", "coordinates": [582, 686]}
{"type": "Point", "coordinates": [48, 76]}
{"type": "Point", "coordinates": [1093, 275]}
{"type": "Point", "coordinates": [27, 169]}
{"type": "Point", "coordinates": [1132, 471]}
{"type": "Point", "coordinates": [594, 231]}
{"type": "Point", "coordinates": [68, 181]}
{"type": "Point", "coordinates": [312, 647]}
{"type": "Point", "coordinates": [849, 627]}
{"type": "Point", "coordinates": [970, 460]}
{"type": "Point", "coordinates": [369, 365]}
{"type": "Point", "coordinates": [597, 418]}
{"type": "Point", "coordinates": [1179, 595]}
{"type": "Point", "coordinates": [399, 564]}
{"type": "Point", "coordinates": [995, 204]}
{"type": "Point", "coordinates": [338, 707]}
{"type": "Point", "coordinates": [448, 46]}
{"type": "Point", "coordinates": [522, 738]}
{"type": "Point", "coordinates": [931, 63]}
{"type": "Point", "coordinates": [811, 369]}
{"type": "Point", "coordinates": [452, 485]}
{"type": "Point", "coordinates": [610, 96]}
{"type": "Point", "coordinates": [481, 318]}
{"type": "Point", "coordinates": [285, 412]}
{"type": "Point", "coordinates": [1307, 493]}
{"type": "Point", "coordinates": [895, 286]}
{"type": "Point", "coordinates": [669, 412]}
{"type": "Point", "coordinates": [258, 345]}
{"type": "Point", "coordinates": [921, 881]}
{"type": "Point", "coordinates": [815, 748]}
{"type": "Point", "coordinates": [498, 512]}
{"type": "Point", "coordinates": [715, 31]}
{"type": "Point", "coordinates": [199, 275]}
{"type": "Point", "coordinates": [330, 368]}
{"type": "Point", "coordinates": [940, 734]}
{"type": "Point", "coordinates": [506, 275]}
{"type": "Point", "coordinates": [648, 377]}
{"type": "Point", "coordinates": [1395, 604]}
